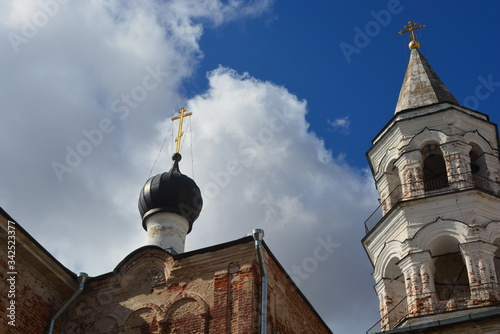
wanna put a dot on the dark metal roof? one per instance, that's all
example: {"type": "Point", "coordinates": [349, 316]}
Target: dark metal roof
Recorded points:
{"type": "Point", "coordinates": [173, 192]}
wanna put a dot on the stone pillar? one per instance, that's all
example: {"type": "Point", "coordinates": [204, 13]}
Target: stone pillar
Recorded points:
{"type": "Point", "coordinates": [479, 259]}
{"type": "Point", "coordinates": [385, 303]}
{"type": "Point", "coordinates": [418, 270]}
{"type": "Point", "coordinates": [457, 159]}
{"type": "Point", "coordinates": [410, 174]}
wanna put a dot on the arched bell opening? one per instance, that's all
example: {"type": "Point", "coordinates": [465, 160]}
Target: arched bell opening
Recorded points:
{"type": "Point", "coordinates": [451, 279]}
{"type": "Point", "coordinates": [478, 168]}
{"type": "Point", "coordinates": [392, 298]}
{"type": "Point", "coordinates": [434, 168]}
{"type": "Point", "coordinates": [477, 160]}
{"type": "Point", "coordinates": [393, 186]}
{"type": "Point", "coordinates": [396, 278]}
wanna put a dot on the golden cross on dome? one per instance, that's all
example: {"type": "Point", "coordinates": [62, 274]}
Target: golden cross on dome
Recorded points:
{"type": "Point", "coordinates": [411, 27]}
{"type": "Point", "coordinates": [180, 133]}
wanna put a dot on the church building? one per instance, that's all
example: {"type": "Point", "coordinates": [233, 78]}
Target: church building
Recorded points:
{"type": "Point", "coordinates": [435, 251]}
{"type": "Point", "coordinates": [234, 287]}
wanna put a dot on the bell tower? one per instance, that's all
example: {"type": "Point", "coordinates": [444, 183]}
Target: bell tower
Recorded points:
{"type": "Point", "coordinates": [435, 250]}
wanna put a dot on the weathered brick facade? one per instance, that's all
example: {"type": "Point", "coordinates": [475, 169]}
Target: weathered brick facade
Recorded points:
{"type": "Point", "coordinates": [40, 283]}
{"type": "Point", "coordinates": [211, 290]}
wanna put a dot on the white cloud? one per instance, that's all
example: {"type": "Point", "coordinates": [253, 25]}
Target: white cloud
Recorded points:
{"type": "Point", "coordinates": [254, 157]}
{"type": "Point", "coordinates": [259, 166]}
{"type": "Point", "coordinates": [343, 124]}
{"type": "Point", "coordinates": [112, 61]}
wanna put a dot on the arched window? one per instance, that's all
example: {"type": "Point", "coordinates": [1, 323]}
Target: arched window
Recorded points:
{"type": "Point", "coordinates": [434, 169]}
{"type": "Point", "coordinates": [394, 273]}
{"type": "Point", "coordinates": [142, 321]}
{"type": "Point", "coordinates": [477, 160]}
{"type": "Point", "coordinates": [478, 168]}
{"type": "Point", "coordinates": [186, 315]}
{"type": "Point", "coordinates": [450, 277]}
{"type": "Point", "coordinates": [394, 187]}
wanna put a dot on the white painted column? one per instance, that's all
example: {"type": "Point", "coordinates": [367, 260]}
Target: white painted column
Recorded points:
{"type": "Point", "coordinates": [457, 159]}
{"type": "Point", "coordinates": [410, 174]}
{"type": "Point", "coordinates": [418, 270]}
{"type": "Point", "coordinates": [384, 303]}
{"type": "Point", "coordinates": [167, 230]}
{"type": "Point", "coordinates": [479, 259]}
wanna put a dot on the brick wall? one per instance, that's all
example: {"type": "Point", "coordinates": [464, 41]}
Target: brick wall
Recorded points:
{"type": "Point", "coordinates": [213, 290]}
{"type": "Point", "coordinates": [154, 292]}
{"type": "Point", "coordinates": [33, 282]}
{"type": "Point", "coordinates": [288, 310]}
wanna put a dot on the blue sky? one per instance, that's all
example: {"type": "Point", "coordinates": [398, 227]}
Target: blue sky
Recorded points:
{"type": "Point", "coordinates": [297, 44]}
{"type": "Point", "coordinates": [272, 94]}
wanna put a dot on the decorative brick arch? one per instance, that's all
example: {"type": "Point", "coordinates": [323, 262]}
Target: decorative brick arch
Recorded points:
{"type": "Point", "coordinates": [144, 319]}
{"type": "Point", "coordinates": [156, 308]}
{"type": "Point", "coordinates": [154, 262]}
{"type": "Point", "coordinates": [186, 313]}
{"type": "Point", "coordinates": [187, 294]}
{"type": "Point", "coordinates": [144, 270]}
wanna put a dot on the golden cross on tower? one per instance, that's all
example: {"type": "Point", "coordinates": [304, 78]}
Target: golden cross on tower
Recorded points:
{"type": "Point", "coordinates": [180, 133]}
{"type": "Point", "coordinates": [410, 27]}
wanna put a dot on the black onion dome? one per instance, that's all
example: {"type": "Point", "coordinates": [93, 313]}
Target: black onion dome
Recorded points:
{"type": "Point", "coordinates": [173, 192]}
